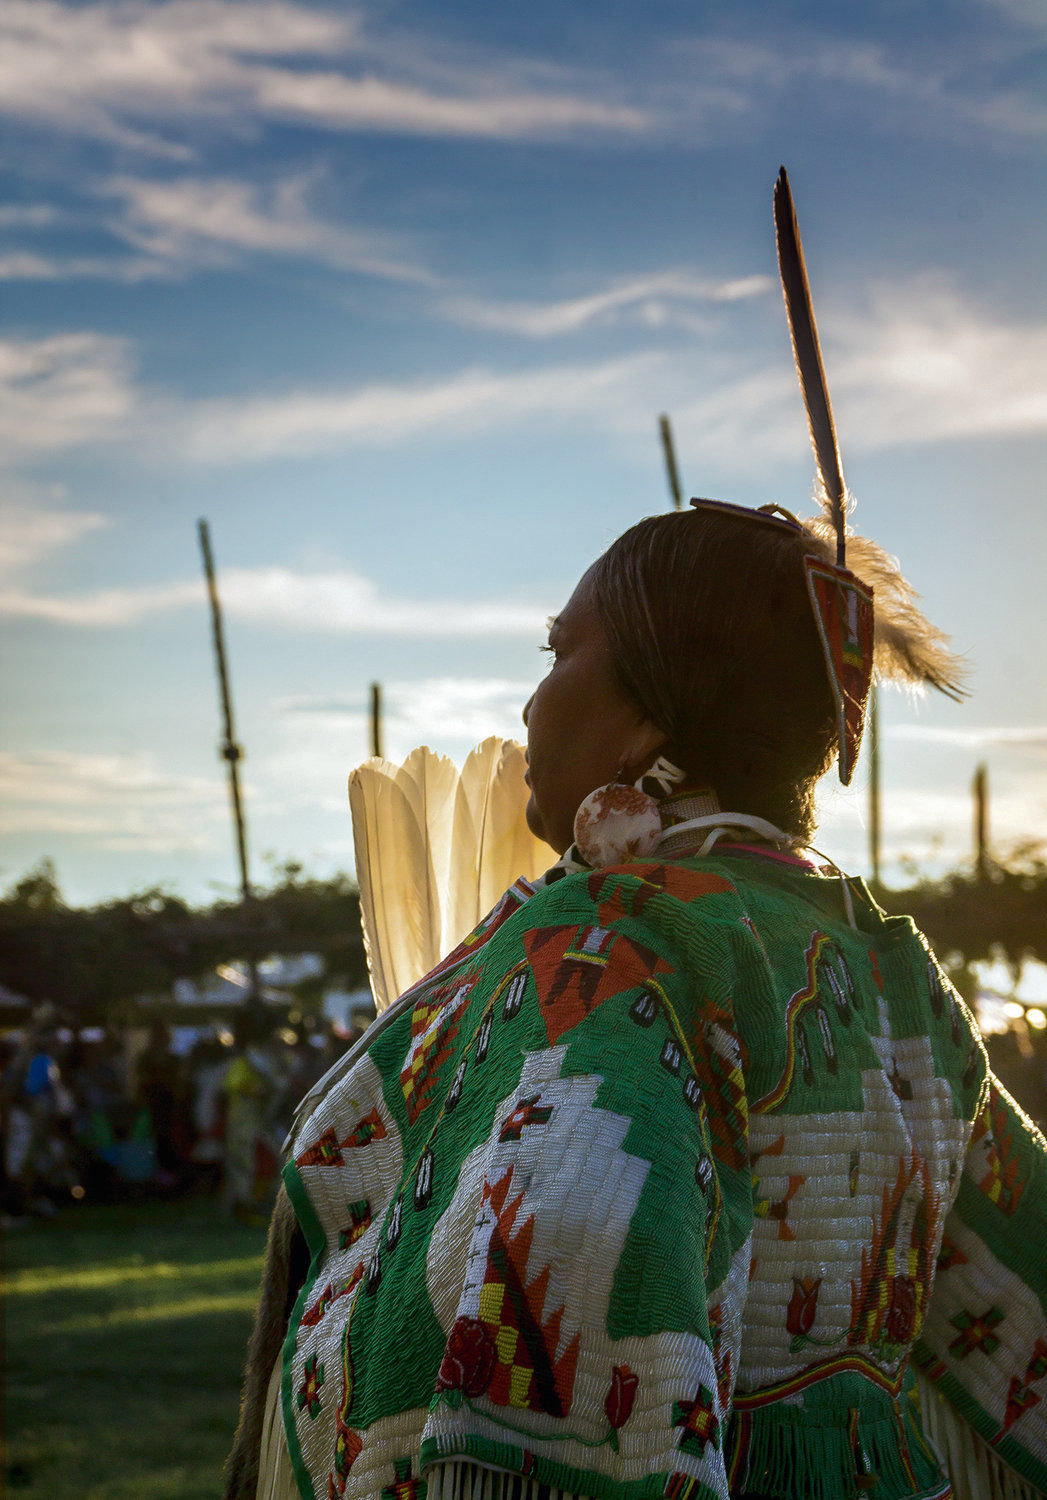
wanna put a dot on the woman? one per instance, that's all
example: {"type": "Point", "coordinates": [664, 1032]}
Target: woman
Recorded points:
{"type": "Point", "coordinates": [668, 1179]}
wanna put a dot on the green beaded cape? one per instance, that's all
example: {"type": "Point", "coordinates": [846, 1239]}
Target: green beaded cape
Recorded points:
{"type": "Point", "coordinates": [662, 1184]}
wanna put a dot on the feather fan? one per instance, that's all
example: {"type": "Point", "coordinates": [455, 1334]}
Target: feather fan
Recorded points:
{"type": "Point", "coordinates": [808, 356]}
{"type": "Point", "coordinates": [435, 849]}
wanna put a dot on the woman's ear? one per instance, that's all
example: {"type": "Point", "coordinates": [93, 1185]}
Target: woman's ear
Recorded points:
{"type": "Point", "coordinates": [648, 743]}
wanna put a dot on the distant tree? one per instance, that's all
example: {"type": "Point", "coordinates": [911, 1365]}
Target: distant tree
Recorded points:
{"type": "Point", "coordinates": [969, 920]}
{"type": "Point", "coordinates": [94, 962]}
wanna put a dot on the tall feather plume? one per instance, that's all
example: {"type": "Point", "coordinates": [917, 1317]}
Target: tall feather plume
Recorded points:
{"type": "Point", "coordinates": [808, 356]}
{"type": "Point", "coordinates": [434, 851]}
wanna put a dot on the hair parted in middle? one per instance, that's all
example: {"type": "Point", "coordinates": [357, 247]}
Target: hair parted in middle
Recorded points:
{"type": "Point", "coordinates": [713, 636]}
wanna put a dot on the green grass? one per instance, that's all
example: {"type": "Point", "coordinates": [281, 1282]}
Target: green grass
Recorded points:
{"type": "Point", "coordinates": [126, 1331]}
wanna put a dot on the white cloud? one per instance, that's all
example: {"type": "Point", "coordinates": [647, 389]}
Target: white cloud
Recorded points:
{"type": "Point", "coordinates": [375, 103]}
{"type": "Point", "coordinates": [469, 402]}
{"type": "Point", "coordinates": [441, 709]}
{"type": "Point", "coordinates": [652, 301]}
{"type": "Point", "coordinates": [29, 533]}
{"type": "Point", "coordinates": [188, 219]}
{"type": "Point", "coordinates": [341, 602]}
{"type": "Point", "coordinates": [105, 68]}
{"type": "Point", "coordinates": [920, 364]}
{"type": "Point", "coordinates": [63, 391]}
{"type": "Point", "coordinates": [927, 824]}
{"type": "Point", "coordinates": [917, 364]}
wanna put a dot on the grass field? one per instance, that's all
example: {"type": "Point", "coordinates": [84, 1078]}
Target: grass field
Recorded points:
{"type": "Point", "coordinates": [126, 1330]}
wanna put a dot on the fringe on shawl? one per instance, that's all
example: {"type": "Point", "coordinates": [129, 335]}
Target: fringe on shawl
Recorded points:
{"type": "Point", "coordinates": [975, 1471]}
{"type": "Point", "coordinates": [469, 1480]}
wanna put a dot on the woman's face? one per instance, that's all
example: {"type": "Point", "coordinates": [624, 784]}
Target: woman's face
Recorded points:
{"type": "Point", "coordinates": [581, 728]}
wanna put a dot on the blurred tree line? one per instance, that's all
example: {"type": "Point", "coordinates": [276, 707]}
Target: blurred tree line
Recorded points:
{"type": "Point", "coordinates": [94, 961]}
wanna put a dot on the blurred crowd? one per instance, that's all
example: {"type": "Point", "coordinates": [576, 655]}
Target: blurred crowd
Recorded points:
{"type": "Point", "coordinates": [100, 1114]}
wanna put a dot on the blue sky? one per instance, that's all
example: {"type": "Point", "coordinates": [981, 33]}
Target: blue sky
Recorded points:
{"type": "Point", "coordinates": [393, 294]}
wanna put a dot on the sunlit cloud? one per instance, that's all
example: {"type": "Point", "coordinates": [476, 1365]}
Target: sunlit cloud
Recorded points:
{"type": "Point", "coordinates": [444, 709]}
{"type": "Point", "coordinates": [323, 736]}
{"type": "Point", "coordinates": [916, 364]}
{"type": "Point", "coordinates": [922, 364]}
{"type": "Point", "coordinates": [652, 301]}
{"type": "Point", "coordinates": [336, 602]}
{"type": "Point", "coordinates": [125, 71]}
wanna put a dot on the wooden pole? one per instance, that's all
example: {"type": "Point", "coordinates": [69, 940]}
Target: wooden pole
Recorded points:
{"type": "Point", "coordinates": [376, 719]}
{"type": "Point", "coordinates": [980, 788]}
{"type": "Point", "coordinates": [670, 460]}
{"type": "Point", "coordinates": [874, 784]}
{"type": "Point", "coordinates": [231, 752]}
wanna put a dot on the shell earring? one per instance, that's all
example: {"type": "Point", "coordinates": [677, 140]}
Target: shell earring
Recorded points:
{"type": "Point", "coordinates": [621, 822]}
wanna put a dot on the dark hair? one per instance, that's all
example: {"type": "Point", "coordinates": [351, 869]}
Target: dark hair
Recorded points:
{"type": "Point", "coordinates": [714, 637]}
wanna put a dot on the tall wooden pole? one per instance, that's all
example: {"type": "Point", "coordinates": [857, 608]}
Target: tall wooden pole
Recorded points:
{"type": "Point", "coordinates": [231, 752]}
{"type": "Point", "coordinates": [980, 788]}
{"type": "Point", "coordinates": [671, 470]}
{"type": "Point", "coordinates": [376, 719]}
{"type": "Point", "coordinates": [874, 784]}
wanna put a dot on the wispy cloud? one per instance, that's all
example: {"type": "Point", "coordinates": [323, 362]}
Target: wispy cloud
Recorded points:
{"type": "Point", "coordinates": [116, 801]}
{"type": "Point", "coordinates": [124, 71]}
{"type": "Point", "coordinates": [470, 402]}
{"type": "Point", "coordinates": [933, 93]}
{"type": "Point", "coordinates": [337, 602]}
{"type": "Point", "coordinates": [32, 265]}
{"type": "Point", "coordinates": [172, 225]}
{"type": "Point", "coordinates": [191, 220]}
{"type": "Point", "coordinates": [653, 301]}
{"type": "Point", "coordinates": [29, 533]}
{"type": "Point", "coordinates": [441, 709]}
{"type": "Point", "coordinates": [918, 363]}
{"type": "Point", "coordinates": [60, 392]}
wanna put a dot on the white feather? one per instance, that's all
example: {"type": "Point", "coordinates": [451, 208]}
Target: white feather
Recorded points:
{"type": "Point", "coordinates": [435, 849]}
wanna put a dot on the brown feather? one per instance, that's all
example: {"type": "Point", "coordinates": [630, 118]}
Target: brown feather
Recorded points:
{"type": "Point", "coordinates": [808, 356]}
